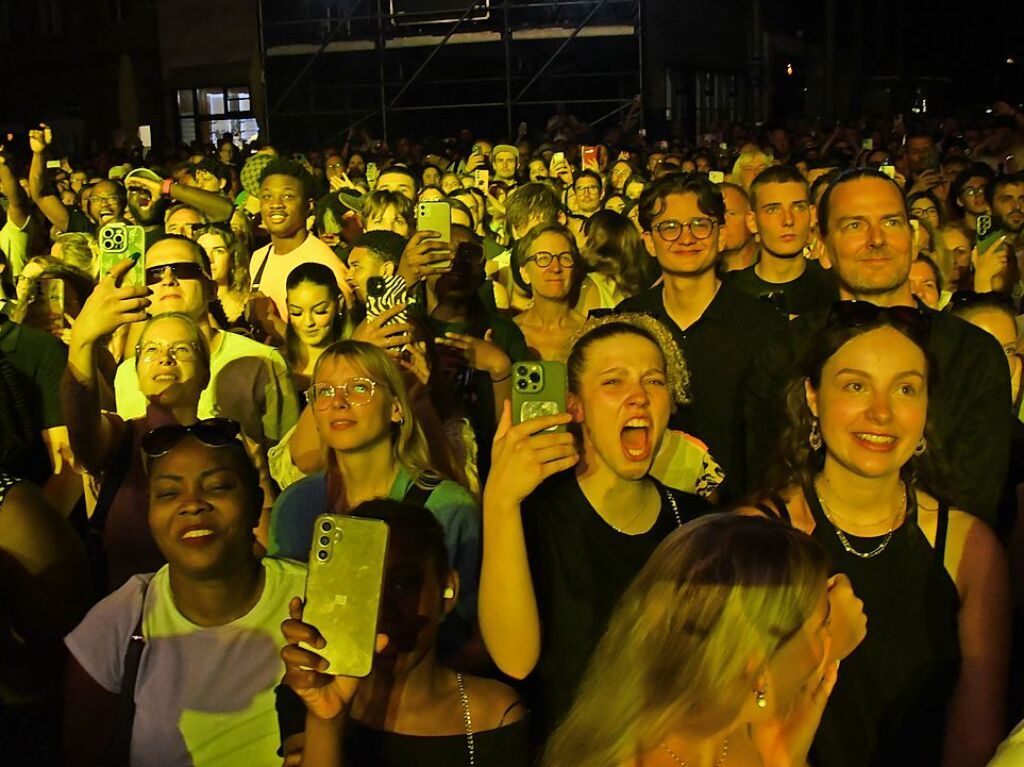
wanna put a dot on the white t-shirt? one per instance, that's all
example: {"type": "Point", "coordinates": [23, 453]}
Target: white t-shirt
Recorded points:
{"type": "Point", "coordinates": [204, 695]}
{"type": "Point", "coordinates": [275, 274]}
{"type": "Point", "coordinates": [249, 383]}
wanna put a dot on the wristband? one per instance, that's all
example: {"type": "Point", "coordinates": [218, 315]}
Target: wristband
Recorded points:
{"type": "Point", "coordinates": [165, 188]}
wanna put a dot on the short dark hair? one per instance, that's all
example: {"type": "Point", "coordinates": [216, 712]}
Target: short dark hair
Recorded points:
{"type": "Point", "coordinates": [589, 174]}
{"type": "Point", "coordinates": [777, 174]}
{"type": "Point", "coordinates": [384, 244]}
{"type": "Point", "coordinates": [201, 258]}
{"type": "Point", "coordinates": [975, 170]}
{"type": "Point", "coordinates": [215, 168]}
{"type": "Point", "coordinates": [709, 198]}
{"type": "Point", "coordinates": [418, 527]}
{"type": "Point", "coordinates": [283, 166]}
{"type": "Point", "coordinates": [1004, 179]}
{"type": "Point", "coordinates": [854, 174]}
{"type": "Point", "coordinates": [535, 199]}
{"type": "Point", "coordinates": [401, 169]}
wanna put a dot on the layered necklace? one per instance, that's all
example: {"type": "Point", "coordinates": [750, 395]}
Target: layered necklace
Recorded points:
{"type": "Point", "coordinates": [678, 760]}
{"type": "Point", "coordinates": [846, 541]}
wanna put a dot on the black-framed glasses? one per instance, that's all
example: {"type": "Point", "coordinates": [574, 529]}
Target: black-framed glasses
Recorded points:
{"type": "Point", "coordinates": [212, 432]}
{"type": "Point", "coordinates": [355, 391]}
{"type": "Point", "coordinates": [180, 351]}
{"type": "Point", "coordinates": [671, 230]}
{"type": "Point", "coordinates": [864, 313]}
{"type": "Point", "coordinates": [182, 270]}
{"type": "Point", "coordinates": [543, 259]}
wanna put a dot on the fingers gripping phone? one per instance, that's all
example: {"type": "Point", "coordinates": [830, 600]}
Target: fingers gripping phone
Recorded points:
{"type": "Point", "coordinates": [119, 241]}
{"type": "Point", "coordinates": [343, 588]}
{"type": "Point", "coordinates": [382, 293]}
{"type": "Point", "coordinates": [538, 389]}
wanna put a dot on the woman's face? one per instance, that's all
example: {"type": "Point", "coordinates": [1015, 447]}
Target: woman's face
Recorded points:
{"type": "Point", "coordinates": [312, 312]}
{"type": "Point", "coordinates": [924, 284]}
{"type": "Point", "coordinates": [555, 280]}
{"type": "Point", "coordinates": [926, 210]}
{"type": "Point", "coordinates": [431, 177]}
{"type": "Point", "coordinates": [170, 372]}
{"type": "Point", "coordinates": [623, 403]}
{"type": "Point", "coordinates": [356, 165]}
{"type": "Point", "coordinates": [538, 170]}
{"type": "Point", "coordinates": [620, 173]}
{"type": "Point", "coordinates": [450, 183]}
{"type": "Point", "coordinates": [388, 220]}
{"type": "Point", "coordinates": [797, 662]}
{"type": "Point", "coordinates": [349, 427]}
{"type": "Point", "coordinates": [959, 247]}
{"type": "Point", "coordinates": [873, 402]}
{"type": "Point", "coordinates": [972, 196]}
{"type": "Point", "coordinates": [220, 257]}
{"type": "Point", "coordinates": [201, 512]}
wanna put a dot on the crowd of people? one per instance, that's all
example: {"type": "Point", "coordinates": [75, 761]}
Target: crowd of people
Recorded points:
{"type": "Point", "coordinates": [777, 520]}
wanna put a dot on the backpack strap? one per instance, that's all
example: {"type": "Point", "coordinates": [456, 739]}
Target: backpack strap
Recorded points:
{"type": "Point", "coordinates": [124, 718]}
{"type": "Point", "coordinates": [417, 495]}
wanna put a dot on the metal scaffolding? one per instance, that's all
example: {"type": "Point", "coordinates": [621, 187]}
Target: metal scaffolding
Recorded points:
{"type": "Point", "coordinates": [343, 63]}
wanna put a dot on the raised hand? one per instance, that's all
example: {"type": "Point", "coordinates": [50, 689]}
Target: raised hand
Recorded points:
{"type": "Point", "coordinates": [378, 332]}
{"type": "Point", "coordinates": [479, 353]}
{"type": "Point", "coordinates": [424, 256]}
{"type": "Point", "coordinates": [110, 306]}
{"type": "Point", "coordinates": [40, 138]}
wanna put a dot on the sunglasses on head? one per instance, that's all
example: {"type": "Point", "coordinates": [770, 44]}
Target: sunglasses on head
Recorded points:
{"type": "Point", "coordinates": [965, 299]}
{"type": "Point", "coordinates": [855, 314]}
{"type": "Point", "coordinates": [182, 270]}
{"type": "Point", "coordinates": [212, 432]}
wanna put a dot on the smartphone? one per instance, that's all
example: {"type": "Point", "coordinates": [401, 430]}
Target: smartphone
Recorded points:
{"type": "Point", "coordinates": [588, 155]}
{"type": "Point", "coordinates": [716, 176]}
{"type": "Point", "coordinates": [932, 160]}
{"type": "Point", "coordinates": [343, 587]}
{"type": "Point", "coordinates": [382, 293]}
{"type": "Point", "coordinates": [558, 158]}
{"type": "Point", "coordinates": [889, 170]}
{"type": "Point", "coordinates": [986, 235]}
{"type": "Point", "coordinates": [436, 216]}
{"type": "Point", "coordinates": [538, 389]}
{"type": "Point", "coordinates": [146, 136]}
{"type": "Point", "coordinates": [982, 226]}
{"type": "Point", "coordinates": [53, 163]}
{"type": "Point", "coordinates": [868, 144]}
{"type": "Point", "coordinates": [119, 241]}
{"type": "Point", "coordinates": [482, 179]}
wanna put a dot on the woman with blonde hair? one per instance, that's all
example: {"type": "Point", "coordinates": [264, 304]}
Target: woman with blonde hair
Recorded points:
{"type": "Point", "coordinates": [375, 448]}
{"type": "Point", "coordinates": [724, 634]}
{"type": "Point", "coordinates": [229, 267]}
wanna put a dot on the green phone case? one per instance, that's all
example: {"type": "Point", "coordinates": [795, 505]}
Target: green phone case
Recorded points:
{"type": "Point", "coordinates": [119, 241]}
{"type": "Point", "coordinates": [538, 389]}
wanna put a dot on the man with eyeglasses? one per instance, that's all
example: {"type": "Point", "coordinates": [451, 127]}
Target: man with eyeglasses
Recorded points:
{"type": "Point", "coordinates": [865, 226]}
{"type": "Point", "coordinates": [587, 187]}
{"type": "Point", "coordinates": [717, 326]}
{"type": "Point", "coordinates": [249, 381]}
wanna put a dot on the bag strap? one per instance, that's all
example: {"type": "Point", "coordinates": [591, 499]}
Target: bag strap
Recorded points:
{"type": "Point", "coordinates": [257, 281]}
{"type": "Point", "coordinates": [417, 495]}
{"type": "Point", "coordinates": [124, 719]}
{"type": "Point", "coordinates": [113, 478]}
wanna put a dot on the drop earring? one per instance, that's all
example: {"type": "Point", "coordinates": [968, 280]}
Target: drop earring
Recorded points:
{"type": "Point", "coordinates": [759, 696]}
{"type": "Point", "coordinates": [814, 438]}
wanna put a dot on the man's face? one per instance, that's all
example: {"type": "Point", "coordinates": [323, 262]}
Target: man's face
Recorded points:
{"type": "Point", "coordinates": [919, 153]}
{"type": "Point", "coordinates": [752, 169]}
{"type": "Point", "coordinates": [869, 238]}
{"type": "Point", "coordinates": [737, 234]}
{"type": "Point", "coordinates": [208, 182]}
{"type": "Point", "coordinates": [397, 182]}
{"type": "Point", "coordinates": [783, 218]}
{"type": "Point", "coordinates": [505, 165]}
{"type": "Point", "coordinates": [687, 255]}
{"type": "Point", "coordinates": [588, 194]}
{"type": "Point", "coordinates": [106, 203]}
{"type": "Point", "coordinates": [362, 265]}
{"type": "Point", "coordinates": [145, 210]}
{"type": "Point", "coordinates": [183, 221]}
{"type": "Point", "coordinates": [283, 205]}
{"type": "Point", "coordinates": [185, 291]}
{"type": "Point", "coordinates": [1008, 204]}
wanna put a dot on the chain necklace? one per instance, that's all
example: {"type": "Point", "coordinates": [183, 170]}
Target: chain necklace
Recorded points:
{"type": "Point", "coordinates": [671, 502]}
{"type": "Point", "coordinates": [468, 720]}
{"type": "Point", "coordinates": [842, 536]}
{"type": "Point", "coordinates": [679, 761]}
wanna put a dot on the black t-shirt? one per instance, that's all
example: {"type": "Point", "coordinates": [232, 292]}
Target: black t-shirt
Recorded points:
{"type": "Point", "coordinates": [816, 288]}
{"type": "Point", "coordinates": [718, 349]}
{"type": "Point", "coordinates": [580, 566]}
{"type": "Point", "coordinates": [79, 222]}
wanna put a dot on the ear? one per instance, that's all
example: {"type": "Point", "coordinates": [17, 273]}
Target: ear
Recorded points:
{"type": "Point", "coordinates": [387, 269]}
{"type": "Point", "coordinates": [814, 216]}
{"type": "Point", "coordinates": [722, 237]}
{"type": "Point", "coordinates": [396, 411]}
{"type": "Point", "coordinates": [648, 239]}
{"type": "Point", "coordinates": [574, 406]}
{"type": "Point", "coordinates": [450, 592]}
{"type": "Point", "coordinates": [522, 273]}
{"type": "Point", "coordinates": [562, 217]}
{"type": "Point", "coordinates": [751, 222]}
{"type": "Point", "coordinates": [811, 396]}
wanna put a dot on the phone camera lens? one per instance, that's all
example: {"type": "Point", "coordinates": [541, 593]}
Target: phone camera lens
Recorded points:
{"type": "Point", "coordinates": [321, 555]}
{"type": "Point", "coordinates": [535, 377]}
{"type": "Point", "coordinates": [326, 526]}
{"type": "Point", "coordinates": [521, 383]}
{"type": "Point", "coordinates": [522, 370]}
{"type": "Point", "coordinates": [324, 540]}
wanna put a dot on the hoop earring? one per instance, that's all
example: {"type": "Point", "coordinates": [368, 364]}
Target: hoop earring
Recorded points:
{"type": "Point", "coordinates": [814, 438]}
{"type": "Point", "coordinates": [760, 698]}
{"type": "Point", "coordinates": [921, 447]}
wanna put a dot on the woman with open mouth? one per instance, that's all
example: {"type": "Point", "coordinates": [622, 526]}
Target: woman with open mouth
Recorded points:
{"type": "Point", "coordinates": [571, 517]}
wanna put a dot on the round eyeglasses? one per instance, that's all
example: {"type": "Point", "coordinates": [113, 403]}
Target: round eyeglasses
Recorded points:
{"type": "Point", "coordinates": [671, 230]}
{"type": "Point", "coordinates": [544, 259]}
{"type": "Point", "coordinates": [355, 391]}
{"type": "Point", "coordinates": [180, 351]}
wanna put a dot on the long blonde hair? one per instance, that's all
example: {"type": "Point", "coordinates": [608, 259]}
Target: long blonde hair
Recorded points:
{"type": "Point", "coordinates": [409, 444]}
{"type": "Point", "coordinates": [717, 594]}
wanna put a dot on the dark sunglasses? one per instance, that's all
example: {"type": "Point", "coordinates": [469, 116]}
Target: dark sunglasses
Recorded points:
{"type": "Point", "coordinates": [212, 432]}
{"type": "Point", "coordinates": [855, 314]}
{"type": "Point", "coordinates": [182, 270]}
{"type": "Point", "coordinates": [966, 299]}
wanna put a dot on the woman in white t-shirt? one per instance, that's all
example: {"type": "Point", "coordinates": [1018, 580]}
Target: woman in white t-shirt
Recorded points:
{"type": "Point", "coordinates": [207, 662]}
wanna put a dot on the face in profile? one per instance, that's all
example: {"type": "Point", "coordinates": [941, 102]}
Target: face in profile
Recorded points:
{"type": "Point", "coordinates": [623, 403]}
{"type": "Point", "coordinates": [797, 662]}
{"type": "Point", "coordinates": [872, 403]}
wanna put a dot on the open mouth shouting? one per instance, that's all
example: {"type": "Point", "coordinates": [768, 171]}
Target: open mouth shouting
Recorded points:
{"type": "Point", "coordinates": [635, 439]}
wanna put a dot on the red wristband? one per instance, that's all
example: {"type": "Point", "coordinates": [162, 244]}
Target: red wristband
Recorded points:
{"type": "Point", "coordinates": [165, 188]}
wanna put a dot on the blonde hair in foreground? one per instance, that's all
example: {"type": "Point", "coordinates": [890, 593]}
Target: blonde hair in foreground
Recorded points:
{"type": "Point", "coordinates": [715, 601]}
{"type": "Point", "coordinates": [409, 444]}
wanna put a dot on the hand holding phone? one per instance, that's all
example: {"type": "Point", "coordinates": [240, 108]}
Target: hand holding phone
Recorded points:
{"type": "Point", "coordinates": [424, 255]}
{"type": "Point", "coordinates": [119, 241]}
{"type": "Point", "coordinates": [110, 305]}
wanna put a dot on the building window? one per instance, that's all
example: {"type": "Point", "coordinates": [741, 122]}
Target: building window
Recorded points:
{"type": "Point", "coordinates": [207, 114]}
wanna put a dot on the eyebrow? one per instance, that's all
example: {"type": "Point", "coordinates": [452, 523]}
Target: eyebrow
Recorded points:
{"type": "Point", "coordinates": [866, 374]}
{"type": "Point", "coordinates": [314, 306]}
{"type": "Point", "coordinates": [203, 475]}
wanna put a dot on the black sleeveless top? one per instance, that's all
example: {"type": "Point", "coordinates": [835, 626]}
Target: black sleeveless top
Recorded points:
{"type": "Point", "coordinates": [889, 704]}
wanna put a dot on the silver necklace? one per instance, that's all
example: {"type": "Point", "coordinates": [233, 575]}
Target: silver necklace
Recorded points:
{"type": "Point", "coordinates": [470, 744]}
{"type": "Point", "coordinates": [671, 502]}
{"type": "Point", "coordinates": [679, 761]}
{"type": "Point", "coordinates": [842, 536]}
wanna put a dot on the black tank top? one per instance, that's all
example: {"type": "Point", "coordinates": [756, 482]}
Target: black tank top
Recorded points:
{"type": "Point", "coordinates": [889, 704]}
